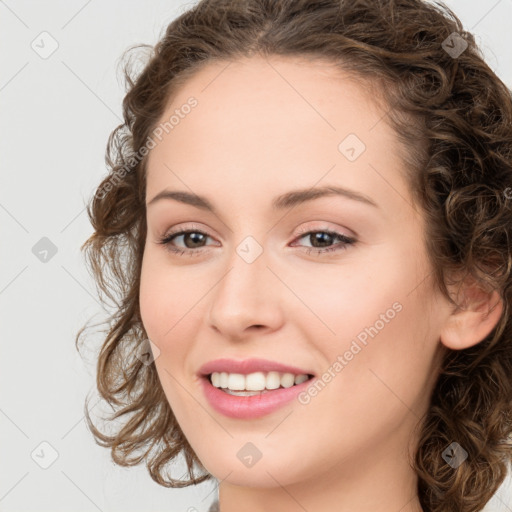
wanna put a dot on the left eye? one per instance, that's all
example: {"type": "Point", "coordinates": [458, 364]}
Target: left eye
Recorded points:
{"type": "Point", "coordinates": [326, 236]}
{"type": "Point", "coordinates": [197, 237]}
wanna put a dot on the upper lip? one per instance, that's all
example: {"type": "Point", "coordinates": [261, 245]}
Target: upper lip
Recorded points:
{"type": "Point", "coordinates": [246, 366]}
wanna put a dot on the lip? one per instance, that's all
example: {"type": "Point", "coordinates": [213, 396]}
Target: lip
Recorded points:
{"type": "Point", "coordinates": [249, 407]}
{"type": "Point", "coordinates": [247, 366]}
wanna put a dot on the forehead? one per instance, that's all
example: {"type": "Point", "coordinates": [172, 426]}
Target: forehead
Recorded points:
{"type": "Point", "coordinates": [261, 123]}
{"type": "Point", "coordinates": [307, 97]}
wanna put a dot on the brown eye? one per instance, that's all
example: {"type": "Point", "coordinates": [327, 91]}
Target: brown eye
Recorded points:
{"type": "Point", "coordinates": [326, 238]}
{"type": "Point", "coordinates": [192, 239]}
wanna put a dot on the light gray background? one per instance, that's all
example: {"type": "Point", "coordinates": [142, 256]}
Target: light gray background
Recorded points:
{"type": "Point", "coordinates": [57, 114]}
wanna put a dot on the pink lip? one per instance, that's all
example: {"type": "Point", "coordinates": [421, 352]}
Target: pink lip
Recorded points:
{"type": "Point", "coordinates": [248, 407]}
{"type": "Point", "coordinates": [248, 366]}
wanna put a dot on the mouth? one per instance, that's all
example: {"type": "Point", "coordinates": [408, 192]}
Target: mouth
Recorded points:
{"type": "Point", "coordinates": [257, 383]}
{"type": "Point", "coordinates": [252, 388]}
{"type": "Point", "coordinates": [247, 396]}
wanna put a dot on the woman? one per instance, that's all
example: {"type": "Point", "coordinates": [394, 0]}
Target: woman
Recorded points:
{"type": "Point", "coordinates": [307, 222]}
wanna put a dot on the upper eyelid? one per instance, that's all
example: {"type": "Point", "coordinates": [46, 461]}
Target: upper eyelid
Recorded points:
{"type": "Point", "coordinates": [301, 231]}
{"type": "Point", "coordinates": [186, 229]}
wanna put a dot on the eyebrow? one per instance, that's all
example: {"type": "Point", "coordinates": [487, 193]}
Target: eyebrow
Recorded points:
{"type": "Point", "coordinates": [287, 200]}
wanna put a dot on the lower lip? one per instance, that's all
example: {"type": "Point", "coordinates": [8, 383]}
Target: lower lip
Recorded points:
{"type": "Point", "coordinates": [248, 407]}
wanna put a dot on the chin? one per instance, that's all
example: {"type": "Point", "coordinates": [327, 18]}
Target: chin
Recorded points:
{"type": "Point", "coordinates": [259, 479]}
{"type": "Point", "coordinates": [263, 474]}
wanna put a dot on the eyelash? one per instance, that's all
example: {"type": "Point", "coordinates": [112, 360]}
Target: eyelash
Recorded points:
{"type": "Point", "coordinates": [345, 240]}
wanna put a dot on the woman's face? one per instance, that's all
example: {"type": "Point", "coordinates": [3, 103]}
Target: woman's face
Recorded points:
{"type": "Point", "coordinates": [362, 317]}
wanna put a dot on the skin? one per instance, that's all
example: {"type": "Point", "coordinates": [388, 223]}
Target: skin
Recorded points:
{"type": "Point", "coordinates": [262, 128]}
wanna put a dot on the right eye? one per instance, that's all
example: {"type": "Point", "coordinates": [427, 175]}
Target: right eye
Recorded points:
{"type": "Point", "coordinates": [198, 238]}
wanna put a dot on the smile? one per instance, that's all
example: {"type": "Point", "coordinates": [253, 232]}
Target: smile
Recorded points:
{"type": "Point", "coordinates": [255, 382]}
{"type": "Point", "coordinates": [244, 403]}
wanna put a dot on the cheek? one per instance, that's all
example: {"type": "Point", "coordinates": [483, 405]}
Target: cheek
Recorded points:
{"type": "Point", "coordinates": [162, 296]}
{"type": "Point", "coordinates": [370, 322]}
{"type": "Point", "coordinates": [170, 311]}
{"type": "Point", "coordinates": [151, 299]}
{"type": "Point", "coordinates": [161, 309]}
{"type": "Point", "coordinates": [343, 299]}
{"type": "Point", "coordinates": [378, 362]}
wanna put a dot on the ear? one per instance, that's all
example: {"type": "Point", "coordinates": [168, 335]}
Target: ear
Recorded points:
{"type": "Point", "coordinates": [476, 316]}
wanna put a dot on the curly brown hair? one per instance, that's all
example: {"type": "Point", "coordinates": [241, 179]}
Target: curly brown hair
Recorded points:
{"type": "Point", "coordinates": [454, 116]}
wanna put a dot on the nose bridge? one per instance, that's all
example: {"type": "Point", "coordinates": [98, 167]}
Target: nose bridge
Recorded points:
{"type": "Point", "coordinates": [247, 294]}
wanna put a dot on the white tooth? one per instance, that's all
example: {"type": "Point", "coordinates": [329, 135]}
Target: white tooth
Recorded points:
{"type": "Point", "coordinates": [245, 393]}
{"type": "Point", "coordinates": [236, 381]}
{"type": "Point", "coordinates": [255, 381]}
{"type": "Point", "coordinates": [299, 379]}
{"type": "Point", "coordinates": [273, 380]}
{"type": "Point", "coordinates": [287, 380]}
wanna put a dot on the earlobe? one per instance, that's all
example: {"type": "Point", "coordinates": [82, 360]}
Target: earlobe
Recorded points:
{"type": "Point", "coordinates": [474, 320]}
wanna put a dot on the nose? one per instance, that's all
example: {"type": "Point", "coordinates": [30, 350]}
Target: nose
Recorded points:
{"type": "Point", "coordinates": [247, 299]}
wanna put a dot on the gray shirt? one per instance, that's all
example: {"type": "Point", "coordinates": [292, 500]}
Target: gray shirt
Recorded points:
{"type": "Point", "coordinates": [214, 507]}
